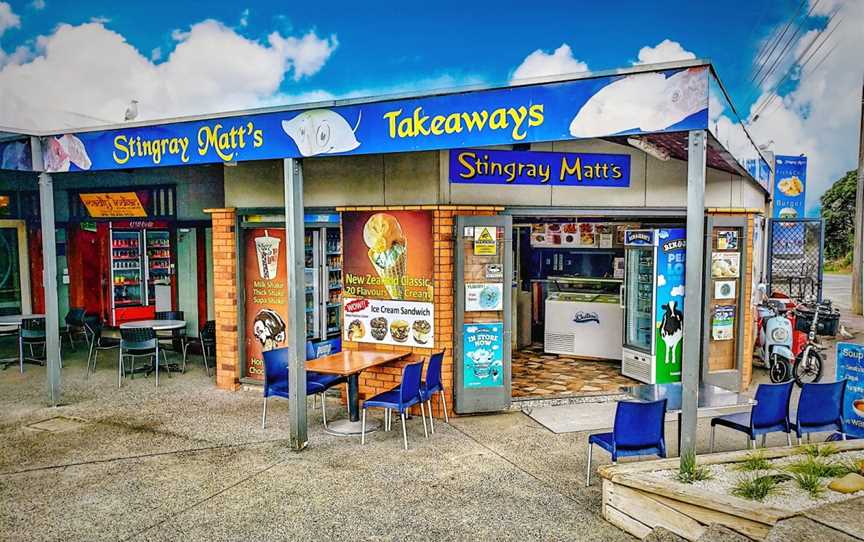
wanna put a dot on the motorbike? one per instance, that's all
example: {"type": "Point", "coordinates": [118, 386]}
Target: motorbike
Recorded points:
{"type": "Point", "coordinates": [774, 339]}
{"type": "Point", "coordinates": [813, 319]}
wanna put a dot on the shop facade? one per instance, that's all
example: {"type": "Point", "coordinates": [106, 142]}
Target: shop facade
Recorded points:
{"type": "Point", "coordinates": [455, 254]}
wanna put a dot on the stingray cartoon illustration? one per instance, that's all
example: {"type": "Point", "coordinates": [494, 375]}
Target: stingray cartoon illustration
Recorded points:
{"type": "Point", "coordinates": [646, 102]}
{"type": "Point", "coordinates": [322, 131]}
{"type": "Point", "coordinates": [671, 330]}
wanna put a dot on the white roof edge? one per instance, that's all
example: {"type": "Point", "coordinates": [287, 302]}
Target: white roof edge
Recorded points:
{"type": "Point", "coordinates": [389, 97]}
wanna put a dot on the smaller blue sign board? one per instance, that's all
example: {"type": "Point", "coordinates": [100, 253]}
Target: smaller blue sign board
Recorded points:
{"type": "Point", "coordinates": [850, 365]}
{"type": "Point", "coordinates": [486, 166]}
{"type": "Point", "coordinates": [639, 238]}
{"type": "Point", "coordinates": [483, 355]}
{"type": "Point", "coordinates": [790, 184]}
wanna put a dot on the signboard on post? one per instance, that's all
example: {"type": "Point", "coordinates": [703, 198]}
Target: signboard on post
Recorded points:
{"type": "Point", "coordinates": [850, 365]}
{"type": "Point", "coordinates": [388, 277]}
{"type": "Point", "coordinates": [790, 186]}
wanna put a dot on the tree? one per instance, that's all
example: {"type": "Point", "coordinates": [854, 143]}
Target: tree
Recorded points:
{"type": "Point", "coordinates": [838, 212]}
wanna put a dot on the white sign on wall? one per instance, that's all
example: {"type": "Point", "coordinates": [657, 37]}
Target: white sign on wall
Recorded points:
{"type": "Point", "coordinates": [379, 321]}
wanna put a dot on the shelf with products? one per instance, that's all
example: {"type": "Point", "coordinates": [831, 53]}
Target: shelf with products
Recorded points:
{"type": "Point", "coordinates": [335, 285]}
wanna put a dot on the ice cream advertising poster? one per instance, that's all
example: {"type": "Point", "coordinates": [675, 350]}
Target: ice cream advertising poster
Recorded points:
{"type": "Point", "coordinates": [483, 353]}
{"type": "Point", "coordinates": [388, 258]}
{"type": "Point", "coordinates": [850, 365]}
{"type": "Point", "coordinates": [266, 278]}
{"type": "Point", "coordinates": [669, 316]}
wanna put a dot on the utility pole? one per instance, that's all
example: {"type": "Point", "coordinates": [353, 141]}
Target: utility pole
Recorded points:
{"type": "Point", "coordinates": [857, 286]}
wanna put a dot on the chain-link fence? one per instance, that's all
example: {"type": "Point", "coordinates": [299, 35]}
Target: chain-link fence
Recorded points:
{"type": "Point", "coordinates": [795, 255]}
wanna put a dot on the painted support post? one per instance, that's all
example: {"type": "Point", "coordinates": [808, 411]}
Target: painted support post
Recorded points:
{"type": "Point", "coordinates": [49, 281]}
{"type": "Point", "coordinates": [295, 258]}
{"type": "Point", "coordinates": [693, 291]}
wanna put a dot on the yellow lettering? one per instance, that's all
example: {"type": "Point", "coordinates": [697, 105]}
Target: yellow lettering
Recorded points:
{"type": "Point", "coordinates": [120, 145]}
{"type": "Point", "coordinates": [184, 145]}
{"type": "Point", "coordinates": [257, 138]}
{"type": "Point", "coordinates": [453, 124]}
{"type": "Point", "coordinates": [475, 119]}
{"type": "Point", "coordinates": [616, 172]}
{"type": "Point", "coordinates": [391, 118]}
{"type": "Point", "coordinates": [437, 123]}
{"type": "Point", "coordinates": [498, 119]}
{"type": "Point", "coordinates": [470, 171]}
{"type": "Point", "coordinates": [518, 116]}
{"type": "Point", "coordinates": [567, 170]}
{"type": "Point", "coordinates": [405, 127]}
{"type": "Point", "coordinates": [535, 112]}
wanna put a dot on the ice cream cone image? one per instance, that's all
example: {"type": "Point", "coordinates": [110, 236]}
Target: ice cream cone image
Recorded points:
{"type": "Point", "coordinates": [388, 252]}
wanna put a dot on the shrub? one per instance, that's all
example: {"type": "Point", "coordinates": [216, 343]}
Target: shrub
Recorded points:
{"type": "Point", "coordinates": [754, 461]}
{"type": "Point", "coordinates": [757, 488]}
{"type": "Point", "coordinates": [814, 466]}
{"type": "Point", "coordinates": [690, 471]}
{"type": "Point", "coordinates": [810, 483]}
{"type": "Point", "coordinates": [818, 450]}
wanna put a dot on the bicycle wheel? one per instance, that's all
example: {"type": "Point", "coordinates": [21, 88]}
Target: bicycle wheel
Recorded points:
{"type": "Point", "coordinates": [779, 371]}
{"type": "Point", "coordinates": [808, 370]}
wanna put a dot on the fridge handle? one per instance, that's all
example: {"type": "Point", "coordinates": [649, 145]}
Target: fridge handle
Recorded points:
{"type": "Point", "coordinates": [621, 296]}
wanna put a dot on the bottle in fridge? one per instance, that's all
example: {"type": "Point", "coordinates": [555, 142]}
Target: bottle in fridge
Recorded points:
{"type": "Point", "coordinates": [654, 270]}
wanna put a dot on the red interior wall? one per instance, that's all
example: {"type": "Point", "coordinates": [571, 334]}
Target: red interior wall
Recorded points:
{"type": "Point", "coordinates": [37, 289]}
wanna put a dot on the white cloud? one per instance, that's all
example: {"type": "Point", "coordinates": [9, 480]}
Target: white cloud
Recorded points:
{"type": "Point", "coordinates": [100, 19]}
{"type": "Point", "coordinates": [820, 117]}
{"type": "Point", "coordinates": [665, 51]}
{"type": "Point", "coordinates": [661, 280]}
{"type": "Point", "coordinates": [85, 74]}
{"type": "Point", "coordinates": [540, 63]}
{"type": "Point", "coordinates": [677, 291]}
{"type": "Point", "coordinates": [38, 4]}
{"type": "Point", "coordinates": [244, 18]}
{"type": "Point", "coordinates": [156, 54]}
{"type": "Point", "coordinates": [8, 18]}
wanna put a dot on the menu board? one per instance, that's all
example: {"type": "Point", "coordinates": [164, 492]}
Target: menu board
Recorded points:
{"type": "Point", "coordinates": [850, 365]}
{"type": "Point", "coordinates": [576, 235]}
{"type": "Point", "coordinates": [388, 277]}
{"type": "Point", "coordinates": [266, 278]}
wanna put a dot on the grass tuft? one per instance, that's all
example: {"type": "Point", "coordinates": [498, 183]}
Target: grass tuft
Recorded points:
{"type": "Point", "coordinates": [852, 466]}
{"type": "Point", "coordinates": [754, 461]}
{"type": "Point", "coordinates": [756, 488]}
{"type": "Point", "coordinates": [818, 450]}
{"type": "Point", "coordinates": [818, 467]}
{"type": "Point", "coordinates": [690, 471]}
{"type": "Point", "coordinates": [810, 483]}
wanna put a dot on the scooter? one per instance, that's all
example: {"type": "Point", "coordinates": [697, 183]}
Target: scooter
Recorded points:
{"type": "Point", "coordinates": [774, 341]}
{"type": "Point", "coordinates": [809, 316]}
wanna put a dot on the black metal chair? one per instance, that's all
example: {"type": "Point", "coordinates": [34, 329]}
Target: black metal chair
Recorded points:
{"type": "Point", "coordinates": [75, 324]}
{"type": "Point", "coordinates": [175, 338]}
{"type": "Point", "coordinates": [32, 334]}
{"type": "Point", "coordinates": [94, 327]}
{"type": "Point", "coordinates": [139, 342]}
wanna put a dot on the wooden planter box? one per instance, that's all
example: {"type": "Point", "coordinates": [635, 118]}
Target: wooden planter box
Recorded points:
{"type": "Point", "coordinates": [637, 503]}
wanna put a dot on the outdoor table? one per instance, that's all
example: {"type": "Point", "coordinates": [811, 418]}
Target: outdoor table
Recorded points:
{"type": "Point", "coordinates": [350, 363]}
{"type": "Point", "coordinates": [712, 399]}
{"type": "Point", "coordinates": [14, 320]}
{"type": "Point", "coordinates": [155, 325]}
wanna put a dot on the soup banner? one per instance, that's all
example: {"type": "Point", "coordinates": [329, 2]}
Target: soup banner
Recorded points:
{"type": "Point", "coordinates": [388, 277]}
{"type": "Point", "coordinates": [850, 365]}
{"type": "Point", "coordinates": [266, 279]}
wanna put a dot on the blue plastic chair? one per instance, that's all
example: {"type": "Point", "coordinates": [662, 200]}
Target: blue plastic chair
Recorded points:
{"type": "Point", "coordinates": [820, 408]}
{"type": "Point", "coordinates": [433, 385]}
{"type": "Point", "coordinates": [276, 381]}
{"type": "Point", "coordinates": [399, 399]}
{"type": "Point", "coordinates": [770, 414]}
{"type": "Point", "coordinates": [639, 430]}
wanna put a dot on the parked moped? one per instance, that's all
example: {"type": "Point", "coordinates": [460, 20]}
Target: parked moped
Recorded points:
{"type": "Point", "coordinates": [774, 340]}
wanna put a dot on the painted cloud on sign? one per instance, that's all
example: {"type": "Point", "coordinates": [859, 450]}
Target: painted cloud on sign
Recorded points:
{"type": "Point", "coordinates": [321, 131]}
{"type": "Point", "coordinates": [661, 280]}
{"type": "Point", "coordinates": [646, 102]}
{"type": "Point", "coordinates": [677, 291]}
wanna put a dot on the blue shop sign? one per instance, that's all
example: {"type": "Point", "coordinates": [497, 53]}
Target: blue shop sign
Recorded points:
{"type": "Point", "coordinates": [321, 218]}
{"type": "Point", "coordinates": [637, 103]}
{"type": "Point", "coordinates": [850, 365]}
{"type": "Point", "coordinates": [487, 166]}
{"type": "Point", "coordinates": [639, 238]}
{"type": "Point", "coordinates": [790, 186]}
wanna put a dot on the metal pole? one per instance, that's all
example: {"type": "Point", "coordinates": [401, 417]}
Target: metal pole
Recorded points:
{"type": "Point", "coordinates": [49, 281]}
{"type": "Point", "coordinates": [857, 253]}
{"type": "Point", "coordinates": [693, 291]}
{"type": "Point", "coordinates": [295, 259]}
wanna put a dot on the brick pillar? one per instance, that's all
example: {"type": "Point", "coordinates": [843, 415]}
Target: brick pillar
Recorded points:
{"type": "Point", "coordinates": [225, 297]}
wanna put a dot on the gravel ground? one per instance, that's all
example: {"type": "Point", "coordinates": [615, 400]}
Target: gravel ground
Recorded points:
{"type": "Point", "coordinates": [788, 497]}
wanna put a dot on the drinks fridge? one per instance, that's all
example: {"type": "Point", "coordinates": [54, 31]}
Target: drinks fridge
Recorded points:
{"type": "Point", "coordinates": [141, 271]}
{"type": "Point", "coordinates": [654, 267]}
{"type": "Point", "coordinates": [323, 246]}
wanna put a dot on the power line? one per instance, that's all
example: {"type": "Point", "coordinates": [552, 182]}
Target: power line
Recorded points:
{"type": "Point", "coordinates": [777, 42]}
{"type": "Point", "coordinates": [777, 61]}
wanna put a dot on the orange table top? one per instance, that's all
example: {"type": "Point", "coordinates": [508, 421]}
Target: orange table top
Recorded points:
{"type": "Point", "coordinates": [349, 362]}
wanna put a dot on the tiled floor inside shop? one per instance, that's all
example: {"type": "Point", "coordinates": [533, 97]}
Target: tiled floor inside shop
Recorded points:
{"type": "Point", "coordinates": [537, 374]}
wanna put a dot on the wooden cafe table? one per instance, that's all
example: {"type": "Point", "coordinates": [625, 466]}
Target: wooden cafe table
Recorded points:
{"type": "Point", "coordinates": [350, 363]}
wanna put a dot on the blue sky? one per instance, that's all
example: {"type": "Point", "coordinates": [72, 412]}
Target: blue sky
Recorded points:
{"type": "Point", "coordinates": [362, 48]}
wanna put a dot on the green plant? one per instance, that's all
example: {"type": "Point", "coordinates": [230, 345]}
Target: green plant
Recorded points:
{"type": "Point", "coordinates": [815, 466]}
{"type": "Point", "coordinates": [855, 466]}
{"type": "Point", "coordinates": [690, 471]}
{"type": "Point", "coordinates": [810, 483]}
{"type": "Point", "coordinates": [818, 450]}
{"type": "Point", "coordinates": [757, 488]}
{"type": "Point", "coordinates": [754, 461]}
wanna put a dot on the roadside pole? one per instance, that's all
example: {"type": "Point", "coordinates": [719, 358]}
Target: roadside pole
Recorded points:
{"type": "Point", "coordinates": [691, 365]}
{"type": "Point", "coordinates": [295, 259]}
{"type": "Point", "coordinates": [857, 255]}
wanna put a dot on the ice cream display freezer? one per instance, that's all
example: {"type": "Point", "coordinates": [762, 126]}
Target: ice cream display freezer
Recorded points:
{"type": "Point", "coordinates": [583, 325]}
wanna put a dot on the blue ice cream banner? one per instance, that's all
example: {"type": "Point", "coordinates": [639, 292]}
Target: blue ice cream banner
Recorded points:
{"type": "Point", "coordinates": [483, 355]}
{"type": "Point", "coordinates": [487, 166]}
{"type": "Point", "coordinates": [850, 365]}
{"type": "Point", "coordinates": [669, 315]}
{"type": "Point", "coordinates": [625, 104]}
{"type": "Point", "coordinates": [790, 186]}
